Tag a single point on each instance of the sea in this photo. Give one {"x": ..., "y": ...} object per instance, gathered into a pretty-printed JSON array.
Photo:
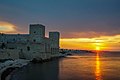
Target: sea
[{"x": 80, "y": 66}]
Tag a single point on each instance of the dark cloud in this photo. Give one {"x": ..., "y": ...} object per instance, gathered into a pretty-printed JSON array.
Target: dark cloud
[{"x": 90, "y": 17}]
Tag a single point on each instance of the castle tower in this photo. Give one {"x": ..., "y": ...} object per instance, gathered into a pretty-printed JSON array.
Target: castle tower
[
  {"x": 54, "y": 42},
  {"x": 37, "y": 32}
]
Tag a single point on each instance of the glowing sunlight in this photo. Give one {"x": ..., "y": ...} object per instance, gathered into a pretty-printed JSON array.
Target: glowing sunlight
[
  {"x": 97, "y": 48},
  {"x": 6, "y": 27},
  {"x": 110, "y": 43},
  {"x": 97, "y": 71}
]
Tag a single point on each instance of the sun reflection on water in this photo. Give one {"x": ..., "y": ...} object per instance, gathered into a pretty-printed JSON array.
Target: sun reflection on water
[{"x": 98, "y": 70}]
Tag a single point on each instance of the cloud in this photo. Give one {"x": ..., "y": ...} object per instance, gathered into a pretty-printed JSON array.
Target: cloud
[
  {"x": 87, "y": 34},
  {"x": 6, "y": 27}
]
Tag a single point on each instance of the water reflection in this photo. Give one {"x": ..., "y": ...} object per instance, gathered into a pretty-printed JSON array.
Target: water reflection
[
  {"x": 98, "y": 70},
  {"x": 46, "y": 71},
  {"x": 84, "y": 66}
]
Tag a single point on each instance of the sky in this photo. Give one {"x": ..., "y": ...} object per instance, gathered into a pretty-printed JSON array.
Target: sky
[{"x": 83, "y": 24}]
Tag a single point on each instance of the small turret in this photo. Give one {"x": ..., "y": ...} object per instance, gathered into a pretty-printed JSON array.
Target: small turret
[{"x": 54, "y": 42}]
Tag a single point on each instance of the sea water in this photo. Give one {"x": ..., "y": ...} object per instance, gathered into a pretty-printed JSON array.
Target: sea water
[{"x": 81, "y": 66}]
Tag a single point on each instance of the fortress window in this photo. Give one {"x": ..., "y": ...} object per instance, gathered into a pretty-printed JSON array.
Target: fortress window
[
  {"x": 2, "y": 46},
  {"x": 13, "y": 39},
  {"x": 34, "y": 31},
  {"x": 34, "y": 40},
  {"x": 28, "y": 48},
  {"x": 21, "y": 50}
]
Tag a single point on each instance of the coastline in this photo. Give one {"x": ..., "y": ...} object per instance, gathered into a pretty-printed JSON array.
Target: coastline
[
  {"x": 19, "y": 64},
  {"x": 9, "y": 66}
]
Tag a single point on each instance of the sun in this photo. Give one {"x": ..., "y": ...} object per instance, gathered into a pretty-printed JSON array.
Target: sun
[{"x": 97, "y": 48}]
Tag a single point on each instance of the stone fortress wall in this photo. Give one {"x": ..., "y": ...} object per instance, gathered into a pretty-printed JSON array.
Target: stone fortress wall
[{"x": 30, "y": 46}]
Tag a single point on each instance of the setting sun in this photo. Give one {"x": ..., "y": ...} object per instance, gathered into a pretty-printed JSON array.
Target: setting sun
[
  {"x": 110, "y": 43},
  {"x": 97, "y": 48}
]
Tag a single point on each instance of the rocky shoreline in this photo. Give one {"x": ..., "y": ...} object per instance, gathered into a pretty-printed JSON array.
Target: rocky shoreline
[{"x": 8, "y": 67}]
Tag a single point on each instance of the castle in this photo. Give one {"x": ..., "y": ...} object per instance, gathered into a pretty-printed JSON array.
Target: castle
[{"x": 30, "y": 46}]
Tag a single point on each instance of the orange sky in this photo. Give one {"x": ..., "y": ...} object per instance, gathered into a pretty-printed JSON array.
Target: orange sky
[
  {"x": 6, "y": 27},
  {"x": 111, "y": 43}
]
